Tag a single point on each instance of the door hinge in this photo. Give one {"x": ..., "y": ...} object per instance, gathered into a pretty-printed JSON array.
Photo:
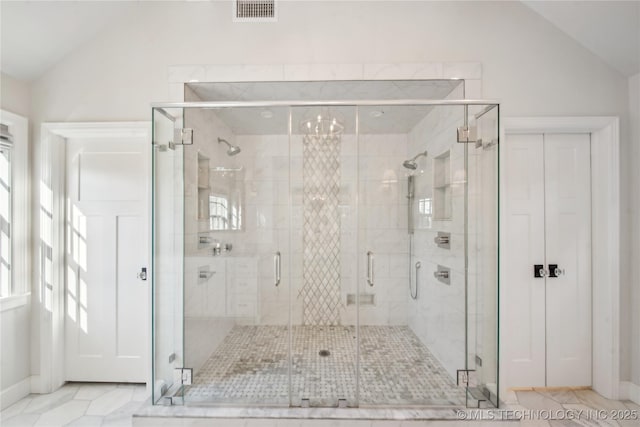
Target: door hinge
[
  {"x": 466, "y": 378},
  {"x": 183, "y": 376},
  {"x": 467, "y": 134},
  {"x": 183, "y": 136}
]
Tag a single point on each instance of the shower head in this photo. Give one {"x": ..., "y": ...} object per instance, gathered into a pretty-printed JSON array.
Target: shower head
[
  {"x": 233, "y": 149},
  {"x": 411, "y": 163}
]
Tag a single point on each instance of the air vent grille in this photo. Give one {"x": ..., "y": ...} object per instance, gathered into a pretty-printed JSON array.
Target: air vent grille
[{"x": 255, "y": 10}]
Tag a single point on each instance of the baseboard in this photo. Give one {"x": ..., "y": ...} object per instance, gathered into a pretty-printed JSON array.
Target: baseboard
[
  {"x": 630, "y": 391},
  {"x": 12, "y": 394}
]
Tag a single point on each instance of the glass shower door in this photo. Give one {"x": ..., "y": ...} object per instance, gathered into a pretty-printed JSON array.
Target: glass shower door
[
  {"x": 412, "y": 304},
  {"x": 482, "y": 297},
  {"x": 237, "y": 257},
  {"x": 324, "y": 312},
  {"x": 167, "y": 259}
]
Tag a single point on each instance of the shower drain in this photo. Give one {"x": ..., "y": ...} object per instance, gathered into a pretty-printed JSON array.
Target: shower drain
[{"x": 324, "y": 353}]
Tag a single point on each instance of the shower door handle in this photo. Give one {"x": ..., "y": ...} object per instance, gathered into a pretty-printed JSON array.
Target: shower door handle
[
  {"x": 370, "y": 268},
  {"x": 276, "y": 268}
]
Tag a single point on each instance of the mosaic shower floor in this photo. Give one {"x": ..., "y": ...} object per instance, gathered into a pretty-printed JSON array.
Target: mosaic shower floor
[{"x": 250, "y": 367}]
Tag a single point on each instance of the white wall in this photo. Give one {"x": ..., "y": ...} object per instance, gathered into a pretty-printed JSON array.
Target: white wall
[
  {"x": 15, "y": 95},
  {"x": 15, "y": 322},
  {"x": 528, "y": 64},
  {"x": 634, "y": 114}
]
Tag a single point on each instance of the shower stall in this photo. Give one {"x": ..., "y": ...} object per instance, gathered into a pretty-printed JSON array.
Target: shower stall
[{"x": 327, "y": 244}]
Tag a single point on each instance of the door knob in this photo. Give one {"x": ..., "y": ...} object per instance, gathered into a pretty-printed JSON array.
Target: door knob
[
  {"x": 539, "y": 271},
  {"x": 554, "y": 271},
  {"x": 143, "y": 274}
]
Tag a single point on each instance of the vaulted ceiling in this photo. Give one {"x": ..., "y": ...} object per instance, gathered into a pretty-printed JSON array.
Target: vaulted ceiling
[{"x": 37, "y": 35}]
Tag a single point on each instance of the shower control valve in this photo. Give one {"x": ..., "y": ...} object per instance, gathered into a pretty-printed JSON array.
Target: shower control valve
[{"x": 441, "y": 240}]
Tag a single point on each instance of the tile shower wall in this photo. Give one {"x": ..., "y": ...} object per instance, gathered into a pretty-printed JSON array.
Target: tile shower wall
[
  {"x": 321, "y": 231},
  {"x": 266, "y": 164},
  {"x": 383, "y": 227},
  {"x": 205, "y": 296},
  {"x": 437, "y": 316}
]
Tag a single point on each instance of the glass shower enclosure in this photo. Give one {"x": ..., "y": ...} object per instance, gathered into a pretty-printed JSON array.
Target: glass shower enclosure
[{"x": 327, "y": 244}]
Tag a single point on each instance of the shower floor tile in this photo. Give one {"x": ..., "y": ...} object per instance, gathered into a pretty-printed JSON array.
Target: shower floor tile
[{"x": 250, "y": 367}]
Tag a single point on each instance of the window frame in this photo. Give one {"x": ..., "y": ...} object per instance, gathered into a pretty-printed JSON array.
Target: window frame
[{"x": 20, "y": 291}]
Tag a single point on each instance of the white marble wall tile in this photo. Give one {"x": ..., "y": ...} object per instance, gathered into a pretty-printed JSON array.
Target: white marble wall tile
[
  {"x": 241, "y": 73},
  {"x": 303, "y": 72},
  {"x": 426, "y": 71}
]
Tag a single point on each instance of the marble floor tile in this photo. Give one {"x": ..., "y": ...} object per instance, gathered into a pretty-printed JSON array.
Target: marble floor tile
[
  {"x": 86, "y": 421},
  {"x": 535, "y": 400},
  {"x": 534, "y": 423},
  {"x": 122, "y": 416},
  {"x": 631, "y": 405},
  {"x": 93, "y": 391},
  {"x": 110, "y": 401},
  {"x": 44, "y": 402},
  {"x": 564, "y": 423},
  {"x": 585, "y": 419},
  {"x": 22, "y": 420},
  {"x": 15, "y": 409},
  {"x": 251, "y": 367},
  {"x": 560, "y": 396},
  {"x": 63, "y": 414},
  {"x": 594, "y": 400}
]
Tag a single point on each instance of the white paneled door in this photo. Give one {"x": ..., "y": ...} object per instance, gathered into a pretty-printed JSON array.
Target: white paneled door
[
  {"x": 106, "y": 234},
  {"x": 548, "y": 225}
]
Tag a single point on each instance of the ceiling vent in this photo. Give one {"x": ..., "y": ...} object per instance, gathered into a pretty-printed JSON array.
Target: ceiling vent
[{"x": 255, "y": 11}]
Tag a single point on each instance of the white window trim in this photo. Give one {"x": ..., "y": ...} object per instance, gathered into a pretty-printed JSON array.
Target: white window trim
[{"x": 21, "y": 280}]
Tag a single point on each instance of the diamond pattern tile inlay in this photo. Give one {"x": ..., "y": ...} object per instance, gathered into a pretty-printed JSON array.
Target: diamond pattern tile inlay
[{"x": 321, "y": 230}]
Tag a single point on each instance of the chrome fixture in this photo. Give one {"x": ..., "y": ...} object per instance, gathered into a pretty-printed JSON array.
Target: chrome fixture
[
  {"x": 443, "y": 240},
  {"x": 276, "y": 268},
  {"x": 233, "y": 149},
  {"x": 411, "y": 186},
  {"x": 411, "y": 163},
  {"x": 443, "y": 274},
  {"x": 220, "y": 248},
  {"x": 414, "y": 295},
  {"x": 370, "y": 268}
]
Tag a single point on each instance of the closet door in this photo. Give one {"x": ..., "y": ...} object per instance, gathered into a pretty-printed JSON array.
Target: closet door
[
  {"x": 524, "y": 295},
  {"x": 547, "y": 319},
  {"x": 568, "y": 245}
]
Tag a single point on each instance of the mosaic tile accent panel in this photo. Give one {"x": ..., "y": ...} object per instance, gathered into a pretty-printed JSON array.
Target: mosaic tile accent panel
[
  {"x": 321, "y": 230},
  {"x": 251, "y": 367}
]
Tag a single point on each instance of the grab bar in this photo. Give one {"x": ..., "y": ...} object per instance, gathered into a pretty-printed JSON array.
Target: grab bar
[
  {"x": 370, "y": 268},
  {"x": 276, "y": 268}
]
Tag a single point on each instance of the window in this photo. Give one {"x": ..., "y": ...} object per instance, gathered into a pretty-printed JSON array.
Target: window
[{"x": 6, "y": 143}]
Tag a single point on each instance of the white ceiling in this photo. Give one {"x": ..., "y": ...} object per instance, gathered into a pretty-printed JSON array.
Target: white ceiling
[
  {"x": 610, "y": 29},
  {"x": 35, "y": 34}
]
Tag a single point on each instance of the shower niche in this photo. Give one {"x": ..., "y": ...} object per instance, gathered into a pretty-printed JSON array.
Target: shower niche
[
  {"x": 307, "y": 182},
  {"x": 442, "y": 209}
]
